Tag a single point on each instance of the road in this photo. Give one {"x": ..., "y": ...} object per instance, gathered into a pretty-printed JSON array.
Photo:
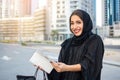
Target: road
[{"x": 14, "y": 59}]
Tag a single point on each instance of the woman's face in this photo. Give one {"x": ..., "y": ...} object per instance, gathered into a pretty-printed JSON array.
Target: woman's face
[{"x": 76, "y": 25}]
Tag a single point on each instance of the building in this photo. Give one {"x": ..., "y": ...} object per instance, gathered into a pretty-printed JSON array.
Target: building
[
  {"x": 26, "y": 28},
  {"x": 111, "y": 11},
  {"x": 116, "y": 30},
  {"x": 48, "y": 23},
  {"x": 25, "y": 7},
  {"x": 17, "y": 29},
  {"x": 39, "y": 24},
  {"x": 15, "y": 8},
  {"x": 15, "y": 21},
  {"x": 50, "y": 18},
  {"x": 58, "y": 17},
  {"x": 9, "y": 29},
  {"x": 0, "y": 9},
  {"x": 111, "y": 15}
]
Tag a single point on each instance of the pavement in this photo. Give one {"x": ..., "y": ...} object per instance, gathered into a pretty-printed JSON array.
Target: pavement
[
  {"x": 112, "y": 51},
  {"x": 112, "y": 57}
]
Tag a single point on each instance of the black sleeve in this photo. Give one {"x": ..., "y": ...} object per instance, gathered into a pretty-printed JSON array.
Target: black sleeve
[
  {"x": 54, "y": 75},
  {"x": 91, "y": 63},
  {"x": 64, "y": 48}
]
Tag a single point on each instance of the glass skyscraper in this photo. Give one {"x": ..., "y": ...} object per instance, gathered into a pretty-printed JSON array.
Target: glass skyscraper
[
  {"x": 112, "y": 12},
  {"x": 117, "y": 10}
]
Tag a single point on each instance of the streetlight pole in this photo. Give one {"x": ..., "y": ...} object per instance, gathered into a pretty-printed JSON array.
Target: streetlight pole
[{"x": 20, "y": 30}]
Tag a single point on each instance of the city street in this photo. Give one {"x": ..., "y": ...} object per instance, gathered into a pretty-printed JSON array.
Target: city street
[{"x": 14, "y": 60}]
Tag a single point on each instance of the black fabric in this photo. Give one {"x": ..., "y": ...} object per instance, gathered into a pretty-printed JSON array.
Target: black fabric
[
  {"x": 91, "y": 62},
  {"x": 23, "y": 77},
  {"x": 89, "y": 56},
  {"x": 54, "y": 75},
  {"x": 33, "y": 77}
]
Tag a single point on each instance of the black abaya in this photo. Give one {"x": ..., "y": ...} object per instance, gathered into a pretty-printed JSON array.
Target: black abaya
[{"x": 89, "y": 58}]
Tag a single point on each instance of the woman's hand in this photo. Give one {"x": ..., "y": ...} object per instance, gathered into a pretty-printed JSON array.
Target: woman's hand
[
  {"x": 59, "y": 66},
  {"x": 62, "y": 67}
]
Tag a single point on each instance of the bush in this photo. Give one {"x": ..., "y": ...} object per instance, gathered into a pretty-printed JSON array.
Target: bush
[{"x": 23, "y": 44}]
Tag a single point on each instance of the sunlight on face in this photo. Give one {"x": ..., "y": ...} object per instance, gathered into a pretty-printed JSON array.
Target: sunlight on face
[{"x": 76, "y": 25}]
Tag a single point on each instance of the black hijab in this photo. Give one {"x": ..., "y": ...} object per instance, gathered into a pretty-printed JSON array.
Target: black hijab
[{"x": 87, "y": 27}]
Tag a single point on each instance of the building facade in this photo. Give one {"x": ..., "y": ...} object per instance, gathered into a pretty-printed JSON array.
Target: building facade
[
  {"x": 15, "y": 8},
  {"x": 9, "y": 29},
  {"x": 47, "y": 23},
  {"x": 112, "y": 11},
  {"x": 17, "y": 29},
  {"x": 58, "y": 17},
  {"x": 111, "y": 16},
  {"x": 39, "y": 24}
]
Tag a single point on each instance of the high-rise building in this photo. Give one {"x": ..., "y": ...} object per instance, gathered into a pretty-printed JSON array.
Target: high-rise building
[
  {"x": 25, "y": 7},
  {"x": 117, "y": 11},
  {"x": 111, "y": 17},
  {"x": 58, "y": 17},
  {"x": 0, "y": 9},
  {"x": 15, "y": 8},
  {"x": 15, "y": 21},
  {"x": 111, "y": 12},
  {"x": 39, "y": 24}
]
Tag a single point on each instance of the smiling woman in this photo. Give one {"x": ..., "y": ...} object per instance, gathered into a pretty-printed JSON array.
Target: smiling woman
[
  {"x": 81, "y": 56},
  {"x": 76, "y": 25}
]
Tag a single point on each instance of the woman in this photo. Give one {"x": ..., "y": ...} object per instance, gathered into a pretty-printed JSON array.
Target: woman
[{"x": 80, "y": 56}]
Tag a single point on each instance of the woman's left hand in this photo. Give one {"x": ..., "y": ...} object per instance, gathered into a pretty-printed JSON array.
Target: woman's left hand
[{"x": 59, "y": 66}]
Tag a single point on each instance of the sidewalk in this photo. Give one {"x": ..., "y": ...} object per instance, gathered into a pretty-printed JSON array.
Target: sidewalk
[
  {"x": 112, "y": 57},
  {"x": 112, "y": 41}
]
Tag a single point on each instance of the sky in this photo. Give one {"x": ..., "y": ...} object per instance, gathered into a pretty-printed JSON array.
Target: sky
[
  {"x": 98, "y": 11},
  {"x": 42, "y": 3}
]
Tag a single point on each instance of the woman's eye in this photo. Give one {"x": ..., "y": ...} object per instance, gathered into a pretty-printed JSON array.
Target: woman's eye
[{"x": 78, "y": 22}]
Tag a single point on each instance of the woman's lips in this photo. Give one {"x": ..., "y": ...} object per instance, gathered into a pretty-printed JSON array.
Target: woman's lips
[{"x": 76, "y": 31}]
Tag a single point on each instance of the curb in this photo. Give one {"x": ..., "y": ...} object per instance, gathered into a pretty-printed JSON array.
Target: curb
[{"x": 113, "y": 63}]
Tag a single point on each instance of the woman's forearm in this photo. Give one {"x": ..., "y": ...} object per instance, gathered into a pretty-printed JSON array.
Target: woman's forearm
[
  {"x": 75, "y": 67},
  {"x": 62, "y": 67}
]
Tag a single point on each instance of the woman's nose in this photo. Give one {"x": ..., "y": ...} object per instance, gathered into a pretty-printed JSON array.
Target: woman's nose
[{"x": 75, "y": 25}]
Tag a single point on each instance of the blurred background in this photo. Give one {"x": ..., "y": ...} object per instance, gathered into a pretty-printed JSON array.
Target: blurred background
[
  {"x": 48, "y": 20},
  {"x": 28, "y": 25}
]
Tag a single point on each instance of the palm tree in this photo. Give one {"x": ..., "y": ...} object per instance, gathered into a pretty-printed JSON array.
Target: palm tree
[{"x": 54, "y": 34}]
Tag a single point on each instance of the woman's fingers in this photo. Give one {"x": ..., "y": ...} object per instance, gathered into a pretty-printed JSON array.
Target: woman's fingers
[
  {"x": 54, "y": 64},
  {"x": 59, "y": 67}
]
